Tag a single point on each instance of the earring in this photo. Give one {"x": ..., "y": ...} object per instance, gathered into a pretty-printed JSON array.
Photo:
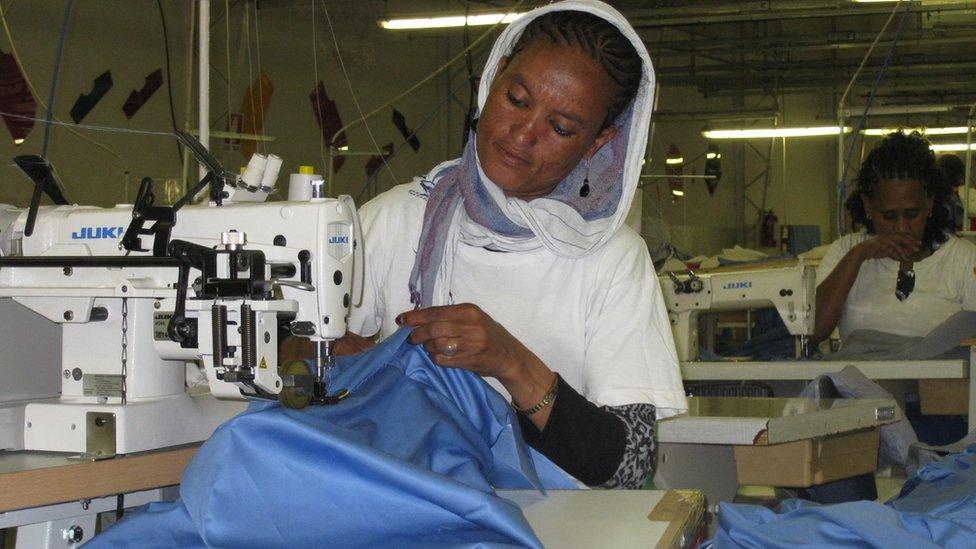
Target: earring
[{"x": 585, "y": 189}]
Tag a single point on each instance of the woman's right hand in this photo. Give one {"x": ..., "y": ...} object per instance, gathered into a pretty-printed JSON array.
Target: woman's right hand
[
  {"x": 897, "y": 246},
  {"x": 301, "y": 348},
  {"x": 352, "y": 343}
]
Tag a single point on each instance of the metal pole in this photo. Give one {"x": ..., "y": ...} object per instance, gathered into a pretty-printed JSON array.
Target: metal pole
[
  {"x": 203, "y": 115},
  {"x": 968, "y": 169},
  {"x": 189, "y": 93},
  {"x": 329, "y": 163},
  {"x": 838, "y": 227}
]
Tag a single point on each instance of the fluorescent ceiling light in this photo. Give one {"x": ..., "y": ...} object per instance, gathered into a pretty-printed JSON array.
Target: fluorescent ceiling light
[
  {"x": 948, "y": 147},
  {"x": 448, "y": 21},
  {"x": 951, "y": 130},
  {"x": 760, "y": 133},
  {"x": 673, "y": 161}
]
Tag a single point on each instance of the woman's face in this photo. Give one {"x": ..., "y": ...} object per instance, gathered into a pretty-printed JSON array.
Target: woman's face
[
  {"x": 899, "y": 206},
  {"x": 543, "y": 114}
]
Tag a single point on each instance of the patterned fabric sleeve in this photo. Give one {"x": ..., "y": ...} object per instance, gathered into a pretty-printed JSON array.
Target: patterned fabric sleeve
[{"x": 637, "y": 462}]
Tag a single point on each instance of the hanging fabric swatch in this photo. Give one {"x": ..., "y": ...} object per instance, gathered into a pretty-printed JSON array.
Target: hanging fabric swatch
[
  {"x": 327, "y": 116},
  {"x": 376, "y": 161},
  {"x": 86, "y": 102},
  {"x": 138, "y": 98},
  {"x": 16, "y": 100},
  {"x": 401, "y": 124},
  {"x": 254, "y": 107}
]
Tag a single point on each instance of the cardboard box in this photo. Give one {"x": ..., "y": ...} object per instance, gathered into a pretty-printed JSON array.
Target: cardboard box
[
  {"x": 684, "y": 511},
  {"x": 804, "y": 463},
  {"x": 944, "y": 397}
]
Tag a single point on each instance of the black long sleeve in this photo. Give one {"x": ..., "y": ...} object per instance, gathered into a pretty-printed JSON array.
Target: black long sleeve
[{"x": 588, "y": 442}]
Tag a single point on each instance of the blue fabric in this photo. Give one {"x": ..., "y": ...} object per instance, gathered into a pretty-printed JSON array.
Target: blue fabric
[
  {"x": 945, "y": 490},
  {"x": 936, "y": 508},
  {"x": 772, "y": 341},
  {"x": 411, "y": 458}
]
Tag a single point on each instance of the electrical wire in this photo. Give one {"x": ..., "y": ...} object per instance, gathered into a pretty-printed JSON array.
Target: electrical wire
[
  {"x": 250, "y": 71},
  {"x": 842, "y": 184},
  {"x": 30, "y": 86},
  {"x": 229, "y": 78},
  {"x": 318, "y": 99},
  {"x": 363, "y": 117},
  {"x": 867, "y": 54},
  {"x": 473, "y": 91},
  {"x": 260, "y": 145},
  {"x": 372, "y": 178},
  {"x": 430, "y": 76},
  {"x": 70, "y": 125},
  {"x": 54, "y": 79},
  {"x": 452, "y": 95},
  {"x": 169, "y": 79},
  {"x": 257, "y": 46},
  {"x": 352, "y": 93}
]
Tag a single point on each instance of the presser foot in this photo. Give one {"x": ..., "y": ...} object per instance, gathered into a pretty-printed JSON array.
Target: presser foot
[
  {"x": 334, "y": 398},
  {"x": 301, "y": 387}
]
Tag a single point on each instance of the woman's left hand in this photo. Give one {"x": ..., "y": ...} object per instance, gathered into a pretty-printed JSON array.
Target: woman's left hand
[{"x": 464, "y": 336}]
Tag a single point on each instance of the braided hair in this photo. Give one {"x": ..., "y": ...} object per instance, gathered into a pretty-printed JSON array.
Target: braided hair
[
  {"x": 901, "y": 156},
  {"x": 601, "y": 41}
]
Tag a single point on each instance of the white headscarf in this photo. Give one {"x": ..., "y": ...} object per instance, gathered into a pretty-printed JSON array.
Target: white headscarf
[{"x": 465, "y": 206}]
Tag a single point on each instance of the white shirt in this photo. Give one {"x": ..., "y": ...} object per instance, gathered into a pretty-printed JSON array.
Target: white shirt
[
  {"x": 945, "y": 283},
  {"x": 599, "y": 321}
]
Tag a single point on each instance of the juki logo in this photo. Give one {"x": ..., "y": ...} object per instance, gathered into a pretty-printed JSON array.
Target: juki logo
[
  {"x": 736, "y": 285},
  {"x": 88, "y": 233},
  {"x": 339, "y": 239}
]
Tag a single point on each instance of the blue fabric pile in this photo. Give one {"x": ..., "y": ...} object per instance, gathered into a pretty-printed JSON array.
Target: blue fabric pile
[
  {"x": 411, "y": 458},
  {"x": 935, "y": 508}
]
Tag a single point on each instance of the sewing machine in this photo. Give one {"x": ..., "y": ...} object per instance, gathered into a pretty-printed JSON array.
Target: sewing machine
[
  {"x": 791, "y": 290},
  {"x": 146, "y": 294}
]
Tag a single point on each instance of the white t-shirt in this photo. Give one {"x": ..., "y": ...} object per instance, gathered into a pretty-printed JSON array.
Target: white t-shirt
[
  {"x": 945, "y": 283},
  {"x": 599, "y": 321}
]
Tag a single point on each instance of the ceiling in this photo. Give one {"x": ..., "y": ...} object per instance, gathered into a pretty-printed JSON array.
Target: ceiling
[{"x": 743, "y": 48}]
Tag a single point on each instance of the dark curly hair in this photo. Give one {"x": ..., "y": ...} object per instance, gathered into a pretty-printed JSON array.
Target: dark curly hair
[
  {"x": 601, "y": 41},
  {"x": 953, "y": 169},
  {"x": 901, "y": 156}
]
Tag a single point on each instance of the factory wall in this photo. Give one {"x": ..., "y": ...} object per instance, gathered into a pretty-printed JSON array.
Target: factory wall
[
  {"x": 801, "y": 178},
  {"x": 127, "y": 39},
  {"x": 698, "y": 222}
]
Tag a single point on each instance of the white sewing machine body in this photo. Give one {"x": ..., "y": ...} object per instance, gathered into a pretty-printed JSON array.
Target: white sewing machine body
[
  {"x": 791, "y": 290},
  {"x": 120, "y": 365}
]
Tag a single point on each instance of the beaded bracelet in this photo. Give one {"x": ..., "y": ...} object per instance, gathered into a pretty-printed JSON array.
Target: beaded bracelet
[{"x": 546, "y": 400}]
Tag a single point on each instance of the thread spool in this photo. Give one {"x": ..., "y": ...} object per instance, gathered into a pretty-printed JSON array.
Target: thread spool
[
  {"x": 271, "y": 169},
  {"x": 254, "y": 171},
  {"x": 300, "y": 184}
]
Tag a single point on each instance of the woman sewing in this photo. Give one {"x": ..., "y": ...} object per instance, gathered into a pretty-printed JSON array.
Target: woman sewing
[
  {"x": 905, "y": 272},
  {"x": 514, "y": 262}
]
